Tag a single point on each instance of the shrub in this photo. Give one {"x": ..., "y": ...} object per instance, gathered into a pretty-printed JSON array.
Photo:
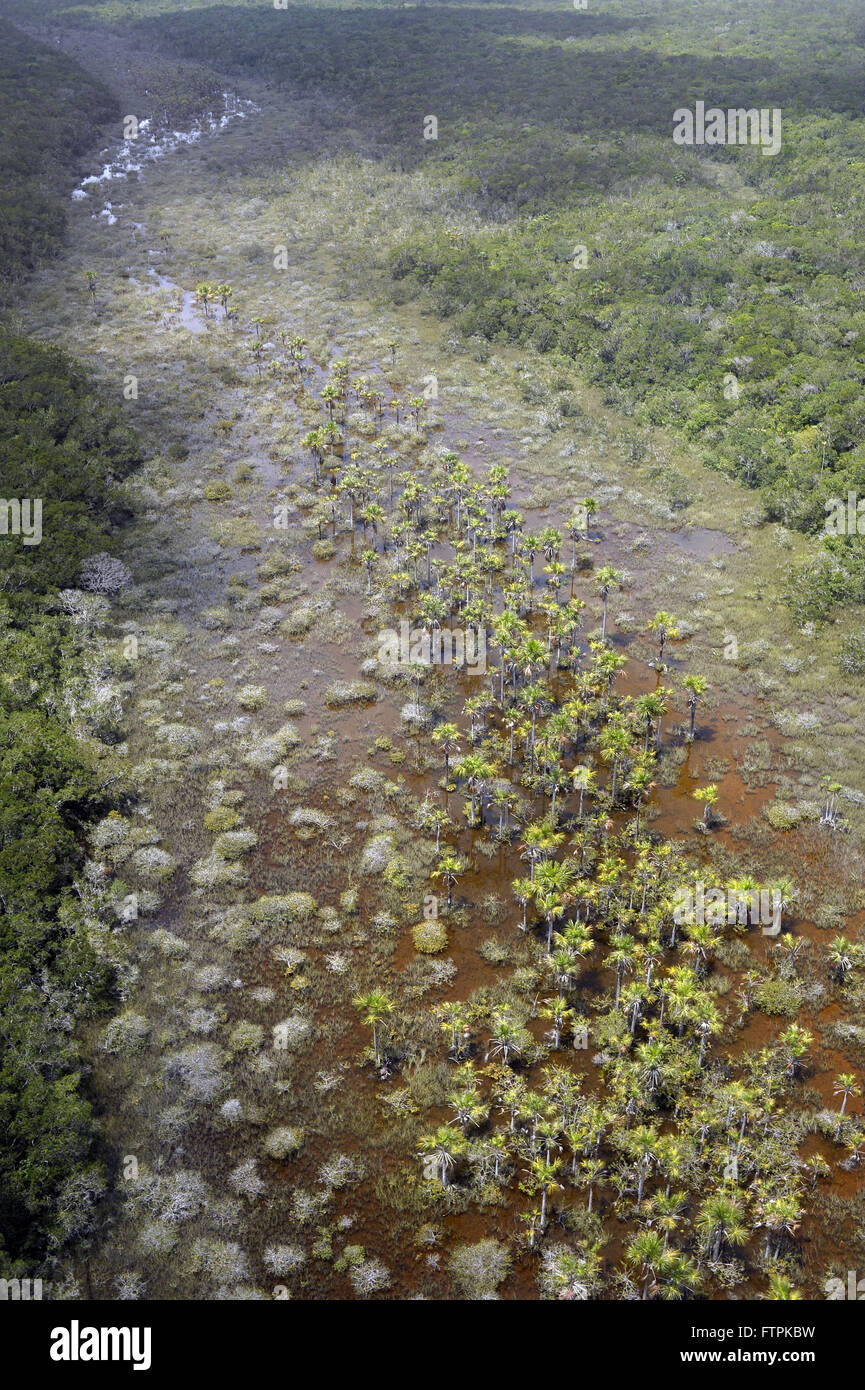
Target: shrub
[
  {"x": 221, "y": 818},
  {"x": 180, "y": 738},
  {"x": 349, "y": 693},
  {"x": 246, "y": 1036},
  {"x": 245, "y": 1181},
  {"x": 298, "y": 622},
  {"x": 252, "y": 697},
  {"x": 479, "y": 1269},
  {"x": 218, "y": 492},
  {"x": 231, "y": 844},
  {"x": 777, "y": 996},
  {"x": 852, "y": 657},
  {"x": 214, "y": 872},
  {"x": 377, "y": 853},
  {"x": 782, "y": 816},
  {"x": 275, "y": 910},
  {"x": 283, "y": 1259},
  {"x": 282, "y": 1142},
  {"x": 271, "y": 748},
  {"x": 199, "y": 1068},
  {"x": 104, "y": 574},
  {"x": 429, "y": 937},
  {"x": 126, "y": 1035},
  {"x": 153, "y": 863},
  {"x": 369, "y": 1276}
]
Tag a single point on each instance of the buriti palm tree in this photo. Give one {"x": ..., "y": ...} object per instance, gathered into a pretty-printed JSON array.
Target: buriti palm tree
[
  {"x": 635, "y": 998},
  {"x": 682, "y": 991},
  {"x": 446, "y": 736},
  {"x": 641, "y": 1144},
  {"x": 606, "y": 579},
  {"x": 708, "y": 1022},
  {"x": 523, "y": 890},
  {"x": 700, "y": 945},
  {"x": 331, "y": 394},
  {"x": 842, "y": 956},
  {"x": 544, "y": 1177},
  {"x": 540, "y": 841},
  {"x": 845, "y": 1085},
  {"x": 583, "y": 779},
  {"x": 622, "y": 957},
  {"x": 665, "y": 626},
  {"x": 373, "y": 515},
  {"x": 204, "y": 293},
  {"x": 478, "y": 774},
  {"x": 615, "y": 746},
  {"x": 695, "y": 685},
  {"x": 781, "y": 1215},
  {"x": 648, "y": 1253},
  {"x": 431, "y": 817},
  {"x": 375, "y": 1007},
  {"x": 666, "y": 1210},
  {"x": 556, "y": 780},
  {"x": 591, "y": 1171},
  {"x": 708, "y": 796},
  {"x": 721, "y": 1222},
  {"x": 369, "y": 559},
  {"x": 651, "y": 1058},
  {"x": 454, "y": 1018},
  {"x": 506, "y": 1042},
  {"x": 829, "y": 814},
  {"x": 560, "y": 1014},
  {"x": 784, "y": 893},
  {"x": 795, "y": 1041},
  {"x": 792, "y": 947},
  {"x": 553, "y": 881},
  {"x": 578, "y": 527},
  {"x": 469, "y": 1111},
  {"x": 316, "y": 444},
  {"x": 650, "y": 710},
  {"x": 448, "y": 869},
  {"x": 446, "y": 1146}
]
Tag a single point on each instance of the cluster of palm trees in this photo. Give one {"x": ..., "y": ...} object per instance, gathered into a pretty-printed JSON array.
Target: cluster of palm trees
[
  {"x": 208, "y": 293},
  {"x": 558, "y": 764}
]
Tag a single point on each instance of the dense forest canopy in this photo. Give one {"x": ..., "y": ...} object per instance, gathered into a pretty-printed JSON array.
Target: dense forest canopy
[
  {"x": 51, "y": 111},
  {"x": 65, "y": 449}
]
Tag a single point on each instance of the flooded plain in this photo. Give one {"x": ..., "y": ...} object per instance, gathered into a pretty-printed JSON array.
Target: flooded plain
[{"x": 252, "y": 610}]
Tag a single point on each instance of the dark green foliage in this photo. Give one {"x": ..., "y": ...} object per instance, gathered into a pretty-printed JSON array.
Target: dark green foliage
[
  {"x": 835, "y": 575},
  {"x": 50, "y": 975},
  {"x": 50, "y": 113},
  {"x": 59, "y": 443}
]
